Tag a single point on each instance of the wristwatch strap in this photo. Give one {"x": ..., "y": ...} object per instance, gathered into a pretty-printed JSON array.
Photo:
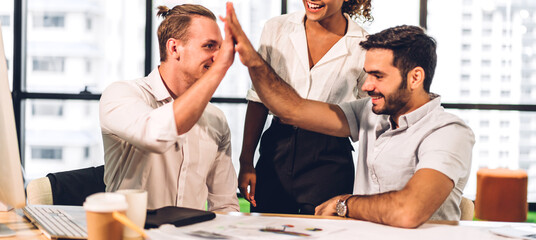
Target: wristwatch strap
[{"x": 343, "y": 200}]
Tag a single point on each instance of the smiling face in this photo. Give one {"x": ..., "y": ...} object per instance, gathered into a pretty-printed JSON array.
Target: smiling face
[
  {"x": 196, "y": 55},
  {"x": 319, "y": 10},
  {"x": 386, "y": 87}
]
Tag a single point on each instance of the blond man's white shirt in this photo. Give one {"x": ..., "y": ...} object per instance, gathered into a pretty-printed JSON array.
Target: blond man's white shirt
[{"x": 143, "y": 150}]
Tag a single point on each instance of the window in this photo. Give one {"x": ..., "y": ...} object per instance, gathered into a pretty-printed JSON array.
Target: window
[
  {"x": 86, "y": 152},
  {"x": 49, "y": 20},
  {"x": 506, "y": 62},
  {"x": 5, "y": 20},
  {"x": 506, "y": 78},
  {"x": 71, "y": 45},
  {"x": 88, "y": 65},
  {"x": 47, "y": 153},
  {"x": 467, "y": 17},
  {"x": 488, "y": 17},
  {"x": 48, "y": 64},
  {"x": 504, "y": 46},
  {"x": 47, "y": 108},
  {"x": 504, "y": 124},
  {"x": 71, "y": 125},
  {"x": 484, "y": 123},
  {"x": 467, "y": 2},
  {"x": 89, "y": 23},
  {"x": 66, "y": 55}
]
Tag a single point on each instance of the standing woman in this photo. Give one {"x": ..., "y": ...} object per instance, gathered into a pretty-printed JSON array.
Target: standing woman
[{"x": 318, "y": 54}]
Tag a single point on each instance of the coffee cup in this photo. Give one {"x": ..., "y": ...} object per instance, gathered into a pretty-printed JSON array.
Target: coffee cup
[
  {"x": 137, "y": 210},
  {"x": 101, "y": 224}
]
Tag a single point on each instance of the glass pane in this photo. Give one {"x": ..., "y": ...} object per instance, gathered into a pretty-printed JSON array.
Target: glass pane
[
  {"x": 87, "y": 43},
  {"x": 252, "y": 16},
  {"x": 6, "y": 24},
  {"x": 235, "y": 114},
  {"x": 486, "y": 49},
  {"x": 504, "y": 139},
  {"x": 386, "y": 13},
  {"x": 61, "y": 135}
]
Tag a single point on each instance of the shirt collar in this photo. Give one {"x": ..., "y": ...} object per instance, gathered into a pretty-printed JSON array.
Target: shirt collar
[
  {"x": 156, "y": 86},
  {"x": 407, "y": 120},
  {"x": 354, "y": 30}
]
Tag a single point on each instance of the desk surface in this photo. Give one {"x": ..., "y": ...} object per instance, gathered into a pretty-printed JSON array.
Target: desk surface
[
  {"x": 21, "y": 226},
  {"x": 339, "y": 227},
  {"x": 254, "y": 226}
]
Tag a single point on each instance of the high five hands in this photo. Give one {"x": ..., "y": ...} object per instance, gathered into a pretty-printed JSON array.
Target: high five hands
[
  {"x": 248, "y": 55},
  {"x": 251, "y": 59}
]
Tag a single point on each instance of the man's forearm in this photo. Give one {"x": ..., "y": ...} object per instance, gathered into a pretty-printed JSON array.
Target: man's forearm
[
  {"x": 276, "y": 94},
  {"x": 189, "y": 106},
  {"x": 410, "y": 207},
  {"x": 386, "y": 209}
]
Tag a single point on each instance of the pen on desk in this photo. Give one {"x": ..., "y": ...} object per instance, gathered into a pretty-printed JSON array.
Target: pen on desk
[
  {"x": 284, "y": 232},
  {"x": 125, "y": 221}
]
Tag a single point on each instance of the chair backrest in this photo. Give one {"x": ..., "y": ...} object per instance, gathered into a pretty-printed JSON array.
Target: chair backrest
[
  {"x": 39, "y": 192},
  {"x": 468, "y": 209},
  {"x": 66, "y": 188}
]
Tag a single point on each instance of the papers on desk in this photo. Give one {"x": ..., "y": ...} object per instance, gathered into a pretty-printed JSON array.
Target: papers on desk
[
  {"x": 240, "y": 227},
  {"x": 521, "y": 232},
  {"x": 250, "y": 227}
]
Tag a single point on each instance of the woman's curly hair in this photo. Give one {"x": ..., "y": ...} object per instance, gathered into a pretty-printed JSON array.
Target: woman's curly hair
[{"x": 358, "y": 9}]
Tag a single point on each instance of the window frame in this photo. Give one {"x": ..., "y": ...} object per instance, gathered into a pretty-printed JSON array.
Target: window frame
[{"x": 20, "y": 95}]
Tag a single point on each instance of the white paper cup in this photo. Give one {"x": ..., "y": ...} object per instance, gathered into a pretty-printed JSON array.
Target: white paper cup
[
  {"x": 137, "y": 209},
  {"x": 101, "y": 225}
]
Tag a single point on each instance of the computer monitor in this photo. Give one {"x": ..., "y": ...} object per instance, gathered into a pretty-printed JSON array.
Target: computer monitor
[{"x": 11, "y": 183}]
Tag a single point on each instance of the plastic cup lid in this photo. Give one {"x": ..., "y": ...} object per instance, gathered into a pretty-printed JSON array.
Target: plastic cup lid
[{"x": 105, "y": 202}]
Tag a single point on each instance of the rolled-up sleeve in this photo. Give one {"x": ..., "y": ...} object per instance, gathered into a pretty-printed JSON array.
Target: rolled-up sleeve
[{"x": 124, "y": 113}]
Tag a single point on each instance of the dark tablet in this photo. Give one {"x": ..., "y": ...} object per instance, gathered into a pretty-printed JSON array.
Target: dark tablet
[{"x": 178, "y": 216}]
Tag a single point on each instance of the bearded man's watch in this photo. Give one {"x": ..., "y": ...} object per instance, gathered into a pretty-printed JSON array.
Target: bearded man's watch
[{"x": 341, "y": 207}]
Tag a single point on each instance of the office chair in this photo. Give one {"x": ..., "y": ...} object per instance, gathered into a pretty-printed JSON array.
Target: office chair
[
  {"x": 66, "y": 188},
  {"x": 468, "y": 209}
]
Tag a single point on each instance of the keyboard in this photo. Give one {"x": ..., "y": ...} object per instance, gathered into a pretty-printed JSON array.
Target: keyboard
[{"x": 55, "y": 222}]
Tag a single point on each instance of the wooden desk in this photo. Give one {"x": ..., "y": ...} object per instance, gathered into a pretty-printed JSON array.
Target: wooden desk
[{"x": 19, "y": 224}]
